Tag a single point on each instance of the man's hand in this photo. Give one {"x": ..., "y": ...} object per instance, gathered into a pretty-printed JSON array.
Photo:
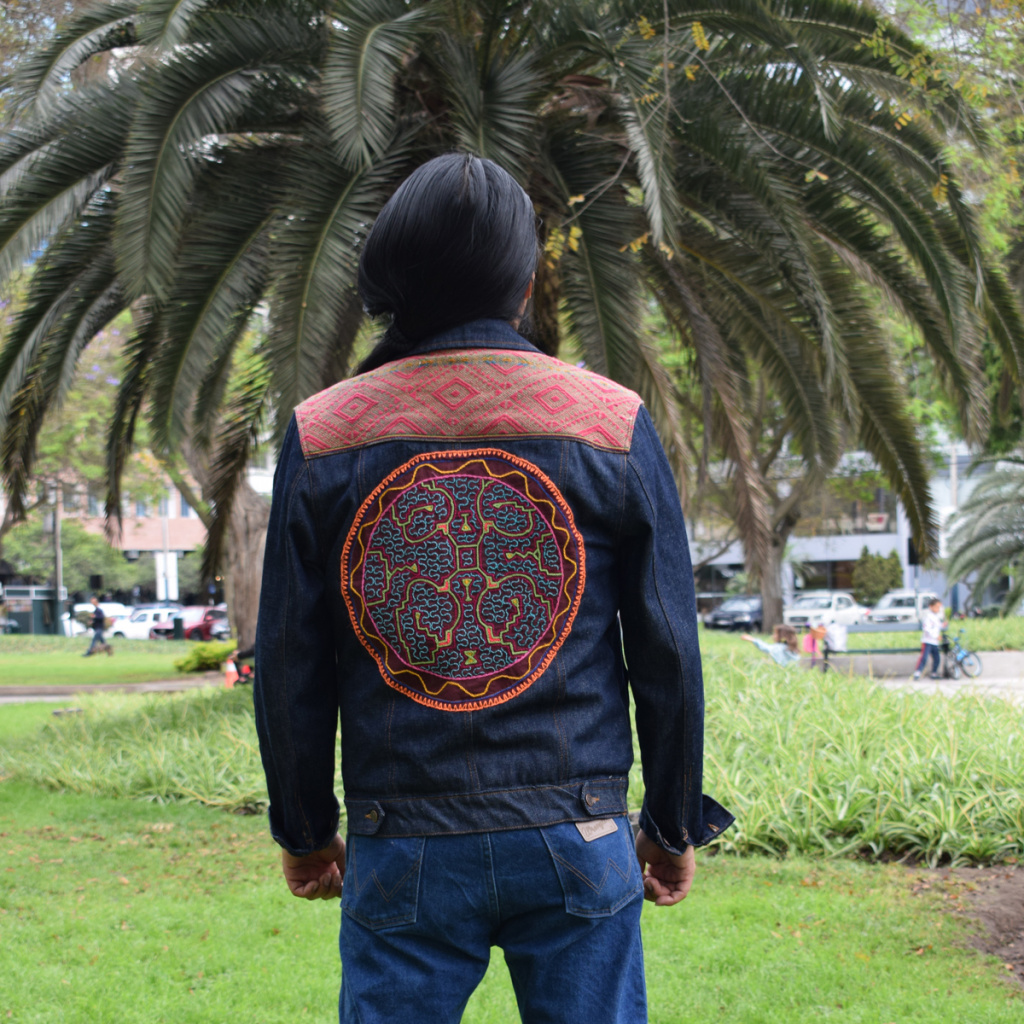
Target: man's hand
[
  {"x": 318, "y": 875},
  {"x": 667, "y": 876}
]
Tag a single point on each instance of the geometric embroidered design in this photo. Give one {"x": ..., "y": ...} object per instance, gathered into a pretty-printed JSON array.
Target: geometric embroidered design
[
  {"x": 462, "y": 573},
  {"x": 469, "y": 394}
]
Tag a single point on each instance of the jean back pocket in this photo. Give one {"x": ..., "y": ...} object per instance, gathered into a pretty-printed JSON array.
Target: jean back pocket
[
  {"x": 382, "y": 880},
  {"x": 598, "y": 877}
]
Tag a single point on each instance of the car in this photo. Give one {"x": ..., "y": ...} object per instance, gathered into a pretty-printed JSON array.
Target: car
[
  {"x": 199, "y": 623},
  {"x": 142, "y": 620},
  {"x": 8, "y": 625},
  {"x": 111, "y": 610},
  {"x": 824, "y": 607},
  {"x": 70, "y": 626},
  {"x": 740, "y": 612},
  {"x": 900, "y": 606}
]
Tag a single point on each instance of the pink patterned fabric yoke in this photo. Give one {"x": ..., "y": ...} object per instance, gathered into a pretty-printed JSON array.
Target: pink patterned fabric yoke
[{"x": 471, "y": 393}]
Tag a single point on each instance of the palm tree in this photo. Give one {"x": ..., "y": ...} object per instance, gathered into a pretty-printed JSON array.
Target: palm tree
[
  {"x": 754, "y": 168},
  {"x": 987, "y": 533}
]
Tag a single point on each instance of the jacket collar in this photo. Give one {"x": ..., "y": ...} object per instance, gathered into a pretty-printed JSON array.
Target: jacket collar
[{"x": 476, "y": 334}]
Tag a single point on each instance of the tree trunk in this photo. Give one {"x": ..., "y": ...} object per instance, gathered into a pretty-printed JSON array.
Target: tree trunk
[
  {"x": 543, "y": 320},
  {"x": 242, "y": 565},
  {"x": 771, "y": 583}
]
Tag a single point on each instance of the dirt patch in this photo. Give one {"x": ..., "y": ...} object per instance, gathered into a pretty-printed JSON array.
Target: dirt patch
[{"x": 994, "y": 898}]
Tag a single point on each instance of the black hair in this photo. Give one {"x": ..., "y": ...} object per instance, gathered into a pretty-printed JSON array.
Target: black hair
[{"x": 456, "y": 242}]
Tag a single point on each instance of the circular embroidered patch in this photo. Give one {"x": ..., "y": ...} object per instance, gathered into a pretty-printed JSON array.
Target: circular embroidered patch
[{"x": 462, "y": 574}]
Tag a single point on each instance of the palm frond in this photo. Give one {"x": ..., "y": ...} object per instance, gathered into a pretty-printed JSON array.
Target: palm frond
[
  {"x": 194, "y": 95},
  {"x": 244, "y": 416},
  {"x": 56, "y": 282},
  {"x": 492, "y": 104},
  {"x": 314, "y": 256},
  {"x": 365, "y": 52},
  {"x": 89, "y": 306},
  {"x": 131, "y": 394},
  {"x": 217, "y": 285},
  {"x": 39, "y": 79},
  {"x": 166, "y": 23}
]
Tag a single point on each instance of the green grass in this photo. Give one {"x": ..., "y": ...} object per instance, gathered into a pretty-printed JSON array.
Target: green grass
[
  {"x": 197, "y": 747},
  {"x": 18, "y": 719},
  {"x": 58, "y": 661},
  {"x": 831, "y": 764},
  {"x": 127, "y": 912}
]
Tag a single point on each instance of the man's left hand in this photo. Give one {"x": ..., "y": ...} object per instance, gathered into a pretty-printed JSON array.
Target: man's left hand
[{"x": 318, "y": 875}]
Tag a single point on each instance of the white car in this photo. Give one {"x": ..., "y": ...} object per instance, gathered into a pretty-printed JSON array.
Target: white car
[
  {"x": 900, "y": 606},
  {"x": 141, "y": 621},
  {"x": 824, "y": 607},
  {"x": 111, "y": 610},
  {"x": 70, "y": 626}
]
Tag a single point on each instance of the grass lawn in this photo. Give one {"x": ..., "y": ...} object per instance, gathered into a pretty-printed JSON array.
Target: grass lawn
[
  {"x": 125, "y": 911},
  {"x": 58, "y": 661},
  {"x": 16, "y": 720},
  {"x": 162, "y": 909}
]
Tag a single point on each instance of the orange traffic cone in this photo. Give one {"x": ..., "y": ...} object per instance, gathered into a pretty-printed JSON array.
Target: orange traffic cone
[{"x": 230, "y": 674}]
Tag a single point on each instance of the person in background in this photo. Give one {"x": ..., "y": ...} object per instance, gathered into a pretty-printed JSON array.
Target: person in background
[
  {"x": 932, "y": 625},
  {"x": 783, "y": 650},
  {"x": 812, "y": 642},
  {"x": 97, "y": 625}
]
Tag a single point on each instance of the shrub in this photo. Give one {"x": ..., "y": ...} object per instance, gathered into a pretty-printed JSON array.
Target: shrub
[
  {"x": 204, "y": 657},
  {"x": 875, "y": 575}
]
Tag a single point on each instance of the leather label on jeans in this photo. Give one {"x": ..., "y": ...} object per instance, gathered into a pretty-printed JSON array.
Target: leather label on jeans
[{"x": 591, "y": 830}]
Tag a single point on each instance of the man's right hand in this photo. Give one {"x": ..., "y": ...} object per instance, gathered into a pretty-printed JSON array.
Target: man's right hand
[
  {"x": 318, "y": 875},
  {"x": 667, "y": 876}
]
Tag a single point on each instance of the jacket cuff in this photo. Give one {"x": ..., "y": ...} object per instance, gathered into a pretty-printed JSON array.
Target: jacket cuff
[
  {"x": 714, "y": 820},
  {"x": 312, "y": 841}
]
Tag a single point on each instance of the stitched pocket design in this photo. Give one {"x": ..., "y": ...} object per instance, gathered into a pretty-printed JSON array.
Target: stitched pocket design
[
  {"x": 382, "y": 878},
  {"x": 600, "y": 877}
]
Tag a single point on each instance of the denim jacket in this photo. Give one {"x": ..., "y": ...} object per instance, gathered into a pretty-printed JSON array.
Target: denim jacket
[{"x": 467, "y": 548}]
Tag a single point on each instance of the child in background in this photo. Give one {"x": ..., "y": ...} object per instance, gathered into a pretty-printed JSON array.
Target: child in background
[
  {"x": 932, "y": 626},
  {"x": 812, "y": 642},
  {"x": 783, "y": 649}
]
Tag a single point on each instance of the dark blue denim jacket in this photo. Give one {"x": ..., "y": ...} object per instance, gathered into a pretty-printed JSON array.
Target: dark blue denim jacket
[{"x": 466, "y": 549}]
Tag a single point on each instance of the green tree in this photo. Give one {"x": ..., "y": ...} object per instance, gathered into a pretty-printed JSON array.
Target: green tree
[
  {"x": 986, "y": 538},
  {"x": 875, "y": 575},
  {"x": 29, "y": 549},
  {"x": 757, "y": 171}
]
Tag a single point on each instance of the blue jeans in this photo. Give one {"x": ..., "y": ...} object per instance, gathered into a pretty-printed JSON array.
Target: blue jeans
[
  {"x": 97, "y": 641},
  {"x": 421, "y": 914},
  {"x": 928, "y": 649}
]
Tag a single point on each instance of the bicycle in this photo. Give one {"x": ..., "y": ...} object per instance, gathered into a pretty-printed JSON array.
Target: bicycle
[{"x": 959, "y": 659}]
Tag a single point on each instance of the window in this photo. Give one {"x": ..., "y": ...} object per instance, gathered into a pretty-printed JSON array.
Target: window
[
  {"x": 140, "y": 509},
  {"x": 186, "y": 508},
  {"x": 94, "y": 505}
]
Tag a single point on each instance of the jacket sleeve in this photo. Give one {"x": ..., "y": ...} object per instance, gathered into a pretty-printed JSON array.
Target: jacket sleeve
[
  {"x": 658, "y": 613},
  {"x": 295, "y": 692}
]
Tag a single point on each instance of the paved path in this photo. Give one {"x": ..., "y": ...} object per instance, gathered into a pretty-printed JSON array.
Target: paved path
[
  {"x": 24, "y": 694},
  {"x": 1002, "y": 673}
]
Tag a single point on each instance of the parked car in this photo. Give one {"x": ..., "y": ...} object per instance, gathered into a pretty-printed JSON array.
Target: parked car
[
  {"x": 111, "y": 610},
  {"x": 900, "y": 606},
  {"x": 71, "y": 626},
  {"x": 822, "y": 608},
  {"x": 142, "y": 620},
  {"x": 740, "y": 612},
  {"x": 199, "y": 622},
  {"x": 8, "y": 625}
]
